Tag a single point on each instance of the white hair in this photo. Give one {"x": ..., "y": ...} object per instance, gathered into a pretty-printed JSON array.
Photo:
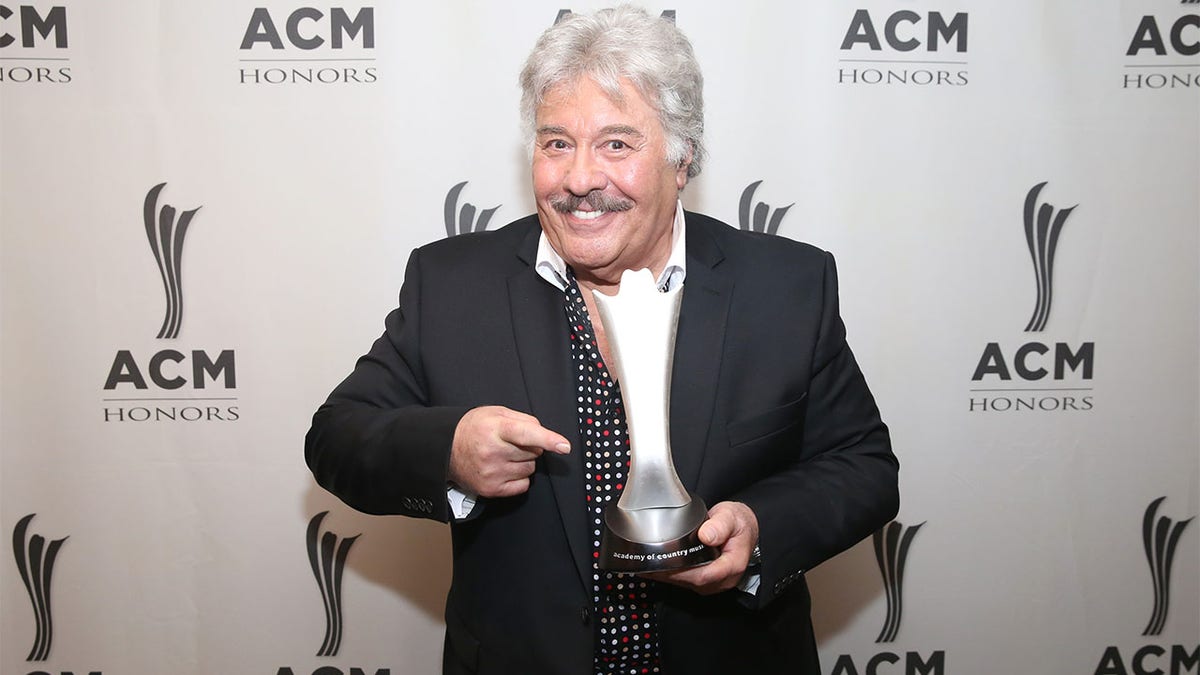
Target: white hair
[{"x": 623, "y": 43}]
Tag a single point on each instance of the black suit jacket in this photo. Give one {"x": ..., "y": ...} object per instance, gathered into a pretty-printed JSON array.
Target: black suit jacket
[{"x": 768, "y": 407}]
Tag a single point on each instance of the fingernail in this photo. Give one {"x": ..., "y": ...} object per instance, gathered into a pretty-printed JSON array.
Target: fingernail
[{"x": 563, "y": 448}]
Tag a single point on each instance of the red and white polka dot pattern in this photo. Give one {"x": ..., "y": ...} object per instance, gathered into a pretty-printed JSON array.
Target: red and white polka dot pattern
[{"x": 627, "y": 630}]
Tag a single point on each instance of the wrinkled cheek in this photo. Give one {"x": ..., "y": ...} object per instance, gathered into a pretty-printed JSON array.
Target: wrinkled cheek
[{"x": 547, "y": 177}]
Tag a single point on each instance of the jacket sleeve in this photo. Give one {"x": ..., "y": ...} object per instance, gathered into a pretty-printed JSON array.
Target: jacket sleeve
[
  {"x": 376, "y": 442},
  {"x": 842, "y": 484}
]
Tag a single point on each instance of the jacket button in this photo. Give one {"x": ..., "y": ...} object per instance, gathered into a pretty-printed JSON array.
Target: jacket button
[{"x": 585, "y": 615}]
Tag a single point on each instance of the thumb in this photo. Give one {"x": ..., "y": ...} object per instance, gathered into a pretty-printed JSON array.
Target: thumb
[{"x": 716, "y": 530}]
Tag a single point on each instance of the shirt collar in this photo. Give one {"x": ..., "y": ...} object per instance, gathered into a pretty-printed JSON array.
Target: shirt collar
[{"x": 551, "y": 267}]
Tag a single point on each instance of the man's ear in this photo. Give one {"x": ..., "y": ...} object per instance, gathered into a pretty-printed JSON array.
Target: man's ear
[{"x": 681, "y": 171}]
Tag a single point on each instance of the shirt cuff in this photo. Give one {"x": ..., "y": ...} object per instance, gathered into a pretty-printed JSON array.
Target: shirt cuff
[
  {"x": 749, "y": 583},
  {"x": 461, "y": 503}
]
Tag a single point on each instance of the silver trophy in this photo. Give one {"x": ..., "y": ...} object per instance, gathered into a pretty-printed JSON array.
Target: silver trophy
[{"x": 654, "y": 525}]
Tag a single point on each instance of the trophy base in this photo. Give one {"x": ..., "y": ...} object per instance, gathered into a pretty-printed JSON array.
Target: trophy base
[{"x": 650, "y": 540}]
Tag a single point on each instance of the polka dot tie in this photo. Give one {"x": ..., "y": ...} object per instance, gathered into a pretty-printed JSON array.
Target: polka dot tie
[{"x": 627, "y": 630}]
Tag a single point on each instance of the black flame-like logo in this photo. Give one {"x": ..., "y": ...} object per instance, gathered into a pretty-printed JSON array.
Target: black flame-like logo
[
  {"x": 328, "y": 559},
  {"x": 166, "y": 234},
  {"x": 892, "y": 543},
  {"x": 1160, "y": 535},
  {"x": 762, "y": 219},
  {"x": 1043, "y": 225},
  {"x": 35, "y": 562},
  {"x": 464, "y": 220}
]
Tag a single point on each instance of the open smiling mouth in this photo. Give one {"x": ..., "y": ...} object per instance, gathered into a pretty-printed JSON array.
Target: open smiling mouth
[{"x": 587, "y": 215}]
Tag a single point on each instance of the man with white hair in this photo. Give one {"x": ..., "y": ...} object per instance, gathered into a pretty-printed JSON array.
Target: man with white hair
[{"x": 488, "y": 403}]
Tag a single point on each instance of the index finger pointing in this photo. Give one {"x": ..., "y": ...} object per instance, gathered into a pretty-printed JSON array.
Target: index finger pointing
[{"x": 527, "y": 433}]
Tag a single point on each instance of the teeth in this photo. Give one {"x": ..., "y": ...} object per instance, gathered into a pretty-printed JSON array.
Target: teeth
[{"x": 587, "y": 215}]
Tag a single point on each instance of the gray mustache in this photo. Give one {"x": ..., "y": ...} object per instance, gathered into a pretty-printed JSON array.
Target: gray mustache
[{"x": 596, "y": 199}]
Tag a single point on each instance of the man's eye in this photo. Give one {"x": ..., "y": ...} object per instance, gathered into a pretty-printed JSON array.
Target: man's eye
[
  {"x": 557, "y": 144},
  {"x": 617, "y": 145}
]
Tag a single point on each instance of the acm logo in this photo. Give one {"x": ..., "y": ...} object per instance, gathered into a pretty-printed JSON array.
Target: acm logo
[
  {"x": 890, "y": 43},
  {"x": 167, "y": 370},
  {"x": 36, "y": 558},
  {"x": 760, "y": 218},
  {"x": 893, "y": 544},
  {"x": 35, "y": 561},
  {"x": 327, "y": 555},
  {"x": 901, "y": 31},
  {"x": 1032, "y": 362},
  {"x": 311, "y": 35},
  {"x": 303, "y": 28},
  {"x": 1160, "y": 539},
  {"x": 37, "y": 41},
  {"x": 1157, "y": 55},
  {"x": 466, "y": 219},
  {"x": 33, "y": 24},
  {"x": 1183, "y": 33}
]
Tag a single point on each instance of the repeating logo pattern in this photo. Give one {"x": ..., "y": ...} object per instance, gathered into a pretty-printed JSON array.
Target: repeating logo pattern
[
  {"x": 328, "y": 559},
  {"x": 892, "y": 543},
  {"x": 1043, "y": 225},
  {"x": 35, "y": 562},
  {"x": 166, "y": 235},
  {"x": 762, "y": 219},
  {"x": 464, "y": 220},
  {"x": 1160, "y": 535}
]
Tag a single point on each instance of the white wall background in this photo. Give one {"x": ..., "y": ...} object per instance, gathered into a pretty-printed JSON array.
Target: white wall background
[{"x": 186, "y": 548}]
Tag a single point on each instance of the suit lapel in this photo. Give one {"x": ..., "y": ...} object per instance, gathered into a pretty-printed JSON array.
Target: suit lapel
[
  {"x": 699, "y": 344},
  {"x": 540, "y": 329}
]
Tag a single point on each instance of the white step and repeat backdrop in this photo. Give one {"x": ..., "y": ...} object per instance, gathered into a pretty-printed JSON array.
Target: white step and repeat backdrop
[{"x": 205, "y": 209}]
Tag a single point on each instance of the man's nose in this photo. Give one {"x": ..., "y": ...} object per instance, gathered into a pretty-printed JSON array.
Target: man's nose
[{"x": 584, "y": 174}]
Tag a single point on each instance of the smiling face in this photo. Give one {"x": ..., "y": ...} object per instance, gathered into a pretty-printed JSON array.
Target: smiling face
[{"x": 605, "y": 192}]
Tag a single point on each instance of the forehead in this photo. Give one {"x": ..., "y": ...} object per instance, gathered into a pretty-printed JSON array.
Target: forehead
[{"x": 584, "y": 101}]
